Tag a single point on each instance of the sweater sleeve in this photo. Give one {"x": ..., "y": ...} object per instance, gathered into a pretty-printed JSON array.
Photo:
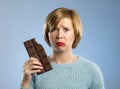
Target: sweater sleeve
[
  {"x": 32, "y": 83},
  {"x": 98, "y": 81}
]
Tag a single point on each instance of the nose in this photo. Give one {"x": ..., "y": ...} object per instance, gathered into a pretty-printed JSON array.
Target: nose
[
  {"x": 59, "y": 37},
  {"x": 59, "y": 34}
]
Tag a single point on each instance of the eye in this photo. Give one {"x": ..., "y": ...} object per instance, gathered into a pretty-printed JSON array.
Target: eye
[
  {"x": 53, "y": 30},
  {"x": 66, "y": 29}
]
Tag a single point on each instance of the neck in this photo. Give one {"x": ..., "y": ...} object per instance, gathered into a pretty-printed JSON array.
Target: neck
[{"x": 63, "y": 57}]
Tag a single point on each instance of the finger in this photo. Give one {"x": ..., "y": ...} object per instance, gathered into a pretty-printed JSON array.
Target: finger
[
  {"x": 35, "y": 67},
  {"x": 36, "y": 71},
  {"x": 32, "y": 61},
  {"x": 33, "y": 58},
  {"x": 33, "y": 70},
  {"x": 35, "y": 61},
  {"x": 29, "y": 69},
  {"x": 29, "y": 61},
  {"x": 32, "y": 65}
]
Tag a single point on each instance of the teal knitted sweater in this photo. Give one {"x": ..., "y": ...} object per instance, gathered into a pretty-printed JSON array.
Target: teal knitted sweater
[{"x": 80, "y": 74}]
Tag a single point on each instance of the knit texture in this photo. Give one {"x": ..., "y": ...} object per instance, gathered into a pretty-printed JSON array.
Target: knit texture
[{"x": 80, "y": 74}]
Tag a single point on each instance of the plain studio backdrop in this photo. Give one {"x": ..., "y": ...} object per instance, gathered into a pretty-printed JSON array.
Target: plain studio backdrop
[{"x": 21, "y": 20}]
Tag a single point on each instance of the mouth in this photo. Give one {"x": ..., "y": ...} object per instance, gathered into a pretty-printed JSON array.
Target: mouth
[{"x": 60, "y": 43}]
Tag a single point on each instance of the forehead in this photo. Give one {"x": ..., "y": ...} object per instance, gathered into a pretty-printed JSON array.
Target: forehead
[{"x": 67, "y": 22}]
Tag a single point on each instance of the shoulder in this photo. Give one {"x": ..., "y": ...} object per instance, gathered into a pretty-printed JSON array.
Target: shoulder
[{"x": 90, "y": 65}]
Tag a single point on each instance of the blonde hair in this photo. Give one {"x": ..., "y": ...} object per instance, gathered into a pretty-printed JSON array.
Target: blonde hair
[{"x": 54, "y": 18}]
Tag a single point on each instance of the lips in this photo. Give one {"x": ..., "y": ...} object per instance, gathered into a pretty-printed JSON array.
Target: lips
[{"x": 60, "y": 43}]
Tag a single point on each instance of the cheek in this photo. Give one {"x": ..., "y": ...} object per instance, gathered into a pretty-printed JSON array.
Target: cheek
[
  {"x": 71, "y": 37},
  {"x": 51, "y": 37}
]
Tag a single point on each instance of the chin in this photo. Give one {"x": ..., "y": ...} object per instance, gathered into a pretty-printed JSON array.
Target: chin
[{"x": 59, "y": 50}]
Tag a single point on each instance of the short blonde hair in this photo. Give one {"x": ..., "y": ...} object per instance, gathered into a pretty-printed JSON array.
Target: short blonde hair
[{"x": 54, "y": 18}]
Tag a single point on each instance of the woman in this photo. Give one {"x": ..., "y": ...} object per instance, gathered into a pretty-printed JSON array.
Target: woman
[{"x": 62, "y": 31}]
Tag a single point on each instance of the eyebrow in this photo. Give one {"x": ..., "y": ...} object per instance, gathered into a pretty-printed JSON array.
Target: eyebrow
[{"x": 69, "y": 27}]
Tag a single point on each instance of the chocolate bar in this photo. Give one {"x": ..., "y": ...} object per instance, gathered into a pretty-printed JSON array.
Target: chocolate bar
[{"x": 36, "y": 50}]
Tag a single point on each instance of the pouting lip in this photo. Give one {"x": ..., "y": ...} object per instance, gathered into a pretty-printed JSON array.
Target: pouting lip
[{"x": 60, "y": 43}]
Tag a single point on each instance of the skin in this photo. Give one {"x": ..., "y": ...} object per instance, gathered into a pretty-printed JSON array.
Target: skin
[
  {"x": 31, "y": 66},
  {"x": 64, "y": 33}
]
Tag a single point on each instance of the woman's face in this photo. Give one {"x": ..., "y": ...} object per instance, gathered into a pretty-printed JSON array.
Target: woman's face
[{"x": 62, "y": 37}]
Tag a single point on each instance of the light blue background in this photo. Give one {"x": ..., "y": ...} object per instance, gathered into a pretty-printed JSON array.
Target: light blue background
[{"x": 21, "y": 20}]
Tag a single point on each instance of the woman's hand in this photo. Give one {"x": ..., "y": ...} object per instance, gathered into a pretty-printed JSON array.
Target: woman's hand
[{"x": 31, "y": 66}]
